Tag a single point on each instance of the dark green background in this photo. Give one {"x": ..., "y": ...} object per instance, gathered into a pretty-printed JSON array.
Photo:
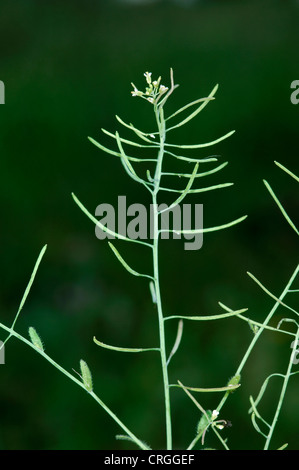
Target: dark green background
[{"x": 67, "y": 67}]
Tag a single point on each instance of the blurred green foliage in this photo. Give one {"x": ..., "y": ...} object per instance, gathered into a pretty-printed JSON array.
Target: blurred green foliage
[{"x": 67, "y": 67}]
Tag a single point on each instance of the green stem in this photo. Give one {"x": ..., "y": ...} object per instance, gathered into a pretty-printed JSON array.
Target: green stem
[
  {"x": 161, "y": 328},
  {"x": 162, "y": 133}
]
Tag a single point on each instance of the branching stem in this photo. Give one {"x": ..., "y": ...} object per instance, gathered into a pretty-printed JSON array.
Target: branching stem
[{"x": 80, "y": 383}]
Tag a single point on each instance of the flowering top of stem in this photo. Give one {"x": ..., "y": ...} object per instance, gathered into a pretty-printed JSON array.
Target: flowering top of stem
[{"x": 153, "y": 91}]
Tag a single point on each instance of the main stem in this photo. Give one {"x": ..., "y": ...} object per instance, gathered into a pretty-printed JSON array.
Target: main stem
[{"x": 157, "y": 177}]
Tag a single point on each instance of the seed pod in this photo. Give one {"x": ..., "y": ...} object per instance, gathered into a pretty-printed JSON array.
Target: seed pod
[
  {"x": 35, "y": 339},
  {"x": 86, "y": 375}
]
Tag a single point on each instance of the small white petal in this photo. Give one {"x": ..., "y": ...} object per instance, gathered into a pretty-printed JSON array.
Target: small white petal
[
  {"x": 163, "y": 88},
  {"x": 148, "y": 77}
]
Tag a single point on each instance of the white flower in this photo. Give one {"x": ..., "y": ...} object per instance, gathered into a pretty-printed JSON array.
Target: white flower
[
  {"x": 136, "y": 92},
  {"x": 162, "y": 89},
  {"x": 215, "y": 414},
  {"x": 219, "y": 426},
  {"x": 153, "y": 91},
  {"x": 148, "y": 76}
]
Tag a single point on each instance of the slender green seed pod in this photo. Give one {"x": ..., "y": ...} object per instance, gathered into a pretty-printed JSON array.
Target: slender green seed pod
[
  {"x": 35, "y": 339},
  {"x": 86, "y": 375}
]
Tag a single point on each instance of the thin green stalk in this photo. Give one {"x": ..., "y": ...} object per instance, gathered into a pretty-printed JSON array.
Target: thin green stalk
[
  {"x": 161, "y": 332},
  {"x": 27, "y": 290},
  {"x": 162, "y": 133},
  {"x": 220, "y": 438}
]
